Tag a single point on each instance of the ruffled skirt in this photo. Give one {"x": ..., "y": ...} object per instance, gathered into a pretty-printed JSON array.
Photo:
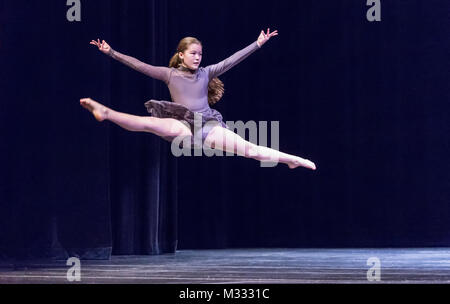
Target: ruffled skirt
[{"x": 200, "y": 122}]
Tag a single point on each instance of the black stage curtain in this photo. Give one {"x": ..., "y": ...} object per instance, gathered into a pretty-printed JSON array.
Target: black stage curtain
[
  {"x": 366, "y": 101},
  {"x": 143, "y": 172},
  {"x": 71, "y": 186}
]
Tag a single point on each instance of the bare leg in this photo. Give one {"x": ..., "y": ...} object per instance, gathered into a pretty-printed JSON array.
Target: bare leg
[
  {"x": 223, "y": 139},
  {"x": 155, "y": 125}
]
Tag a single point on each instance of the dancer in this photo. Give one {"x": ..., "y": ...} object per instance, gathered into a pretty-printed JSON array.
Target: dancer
[{"x": 193, "y": 90}]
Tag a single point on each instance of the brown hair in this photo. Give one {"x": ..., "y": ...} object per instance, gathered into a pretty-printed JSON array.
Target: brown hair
[{"x": 215, "y": 85}]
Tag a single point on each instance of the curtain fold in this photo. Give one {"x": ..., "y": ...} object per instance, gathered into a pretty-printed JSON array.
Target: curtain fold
[
  {"x": 143, "y": 171},
  {"x": 71, "y": 186}
]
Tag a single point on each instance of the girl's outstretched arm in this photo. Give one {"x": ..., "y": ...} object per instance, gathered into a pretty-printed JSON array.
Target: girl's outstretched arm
[
  {"x": 157, "y": 72},
  {"x": 218, "y": 69}
]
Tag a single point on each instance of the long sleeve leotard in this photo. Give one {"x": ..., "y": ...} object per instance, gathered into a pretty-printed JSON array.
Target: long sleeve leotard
[{"x": 187, "y": 87}]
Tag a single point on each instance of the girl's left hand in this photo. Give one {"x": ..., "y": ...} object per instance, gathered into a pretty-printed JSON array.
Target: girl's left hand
[{"x": 264, "y": 37}]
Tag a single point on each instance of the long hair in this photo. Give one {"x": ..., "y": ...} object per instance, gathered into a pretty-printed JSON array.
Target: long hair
[{"x": 215, "y": 85}]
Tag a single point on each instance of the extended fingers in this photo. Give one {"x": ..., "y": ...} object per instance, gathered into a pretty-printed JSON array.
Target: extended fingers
[
  {"x": 96, "y": 43},
  {"x": 268, "y": 34}
]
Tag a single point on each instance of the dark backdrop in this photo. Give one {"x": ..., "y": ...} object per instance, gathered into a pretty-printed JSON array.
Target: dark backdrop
[{"x": 367, "y": 102}]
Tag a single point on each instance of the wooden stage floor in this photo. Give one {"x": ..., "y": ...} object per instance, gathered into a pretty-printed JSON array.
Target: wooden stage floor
[{"x": 247, "y": 266}]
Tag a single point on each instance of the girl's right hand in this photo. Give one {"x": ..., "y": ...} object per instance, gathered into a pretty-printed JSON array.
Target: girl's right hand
[{"x": 103, "y": 46}]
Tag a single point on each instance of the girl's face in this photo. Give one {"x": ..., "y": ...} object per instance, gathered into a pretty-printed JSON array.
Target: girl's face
[{"x": 192, "y": 56}]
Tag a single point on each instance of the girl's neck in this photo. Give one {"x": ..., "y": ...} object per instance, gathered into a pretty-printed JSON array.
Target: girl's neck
[{"x": 183, "y": 67}]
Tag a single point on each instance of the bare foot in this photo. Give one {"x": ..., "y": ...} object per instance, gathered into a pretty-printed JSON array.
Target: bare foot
[
  {"x": 298, "y": 161},
  {"x": 99, "y": 111}
]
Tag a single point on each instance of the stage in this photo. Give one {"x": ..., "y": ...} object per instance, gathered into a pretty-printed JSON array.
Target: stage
[{"x": 247, "y": 266}]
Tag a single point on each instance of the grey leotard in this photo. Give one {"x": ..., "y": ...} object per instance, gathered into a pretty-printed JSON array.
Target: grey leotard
[{"x": 188, "y": 88}]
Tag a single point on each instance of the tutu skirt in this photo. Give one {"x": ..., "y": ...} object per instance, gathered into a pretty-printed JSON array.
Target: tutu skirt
[{"x": 169, "y": 109}]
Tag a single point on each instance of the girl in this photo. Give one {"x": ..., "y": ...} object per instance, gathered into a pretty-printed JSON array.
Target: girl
[{"x": 193, "y": 89}]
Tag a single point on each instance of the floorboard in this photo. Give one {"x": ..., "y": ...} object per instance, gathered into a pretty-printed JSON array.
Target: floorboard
[{"x": 246, "y": 266}]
